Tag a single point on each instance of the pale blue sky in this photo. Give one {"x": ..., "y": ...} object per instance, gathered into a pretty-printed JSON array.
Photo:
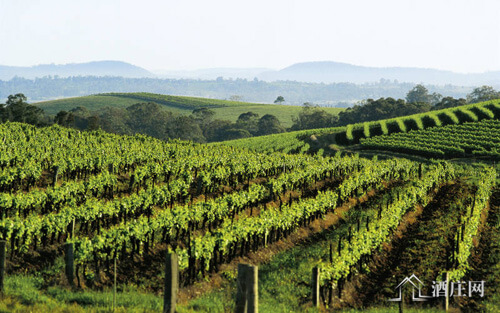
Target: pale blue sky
[{"x": 457, "y": 35}]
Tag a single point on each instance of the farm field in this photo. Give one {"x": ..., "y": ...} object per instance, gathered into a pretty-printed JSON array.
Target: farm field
[
  {"x": 290, "y": 142},
  {"x": 131, "y": 199},
  {"x": 286, "y": 278},
  {"x": 451, "y": 116},
  {"x": 469, "y": 139},
  {"x": 448, "y": 122},
  {"x": 263, "y": 157},
  {"x": 224, "y": 109}
]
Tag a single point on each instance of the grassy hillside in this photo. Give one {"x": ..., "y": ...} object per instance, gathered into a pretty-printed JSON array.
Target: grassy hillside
[
  {"x": 301, "y": 141},
  {"x": 330, "y": 140},
  {"x": 177, "y": 104},
  {"x": 224, "y": 109},
  {"x": 451, "y": 116},
  {"x": 181, "y": 102},
  {"x": 470, "y": 139},
  {"x": 90, "y": 102}
]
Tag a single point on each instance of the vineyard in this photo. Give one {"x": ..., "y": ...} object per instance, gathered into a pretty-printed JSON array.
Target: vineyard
[
  {"x": 476, "y": 139},
  {"x": 118, "y": 197},
  {"x": 290, "y": 142},
  {"x": 330, "y": 140},
  {"x": 458, "y": 115},
  {"x": 126, "y": 200}
]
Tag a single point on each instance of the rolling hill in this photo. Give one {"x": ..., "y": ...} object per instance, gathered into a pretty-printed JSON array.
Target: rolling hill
[
  {"x": 335, "y": 72},
  {"x": 224, "y": 109},
  {"x": 405, "y": 134},
  {"x": 96, "y": 68}
]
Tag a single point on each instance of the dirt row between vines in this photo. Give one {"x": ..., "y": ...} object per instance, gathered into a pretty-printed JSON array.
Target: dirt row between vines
[
  {"x": 416, "y": 243},
  {"x": 301, "y": 236},
  {"x": 485, "y": 258}
]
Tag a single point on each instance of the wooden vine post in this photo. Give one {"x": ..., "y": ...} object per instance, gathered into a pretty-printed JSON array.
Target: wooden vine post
[
  {"x": 339, "y": 248},
  {"x": 241, "y": 292},
  {"x": 114, "y": 284},
  {"x": 331, "y": 253},
  {"x": 54, "y": 175},
  {"x": 70, "y": 264},
  {"x": 171, "y": 283},
  {"x": 315, "y": 287},
  {"x": 247, "y": 296},
  {"x": 3, "y": 245},
  {"x": 447, "y": 299}
]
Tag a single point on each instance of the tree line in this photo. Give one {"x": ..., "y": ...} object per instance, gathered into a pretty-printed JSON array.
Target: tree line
[
  {"x": 153, "y": 120},
  {"x": 202, "y": 126},
  {"x": 418, "y": 100},
  {"x": 296, "y": 93}
]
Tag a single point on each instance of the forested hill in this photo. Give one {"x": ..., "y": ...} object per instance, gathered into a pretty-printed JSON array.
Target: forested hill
[
  {"x": 96, "y": 68},
  {"x": 296, "y": 93},
  {"x": 330, "y": 72}
]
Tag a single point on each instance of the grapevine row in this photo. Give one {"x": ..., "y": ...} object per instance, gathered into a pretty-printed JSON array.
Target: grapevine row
[
  {"x": 364, "y": 242},
  {"x": 470, "y": 224},
  {"x": 204, "y": 249},
  {"x": 477, "y": 138}
]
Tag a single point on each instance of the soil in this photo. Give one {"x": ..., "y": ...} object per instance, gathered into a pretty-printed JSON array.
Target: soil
[{"x": 420, "y": 246}]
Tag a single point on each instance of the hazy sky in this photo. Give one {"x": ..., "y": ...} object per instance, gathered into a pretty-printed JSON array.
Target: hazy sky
[{"x": 458, "y": 35}]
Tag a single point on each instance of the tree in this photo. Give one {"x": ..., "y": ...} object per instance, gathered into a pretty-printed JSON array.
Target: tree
[
  {"x": 203, "y": 116},
  {"x": 65, "y": 119},
  {"x": 313, "y": 117},
  {"x": 216, "y": 130},
  {"x": 185, "y": 128},
  {"x": 371, "y": 110},
  {"x": 18, "y": 98},
  {"x": 435, "y": 98},
  {"x": 420, "y": 94},
  {"x": 248, "y": 121},
  {"x": 94, "y": 123},
  {"x": 4, "y": 114},
  {"x": 483, "y": 93},
  {"x": 16, "y": 109},
  {"x": 270, "y": 124},
  {"x": 449, "y": 102},
  {"x": 117, "y": 120},
  {"x": 279, "y": 100},
  {"x": 81, "y": 115},
  {"x": 247, "y": 116},
  {"x": 236, "y": 133},
  {"x": 149, "y": 118}
]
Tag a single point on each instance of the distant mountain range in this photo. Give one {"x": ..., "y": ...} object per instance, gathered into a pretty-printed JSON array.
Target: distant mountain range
[
  {"x": 335, "y": 72},
  {"x": 97, "y": 68},
  {"x": 313, "y": 72},
  {"x": 214, "y": 73}
]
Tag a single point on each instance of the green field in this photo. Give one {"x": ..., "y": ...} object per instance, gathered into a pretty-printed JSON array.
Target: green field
[
  {"x": 224, "y": 109},
  {"x": 92, "y": 103}
]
